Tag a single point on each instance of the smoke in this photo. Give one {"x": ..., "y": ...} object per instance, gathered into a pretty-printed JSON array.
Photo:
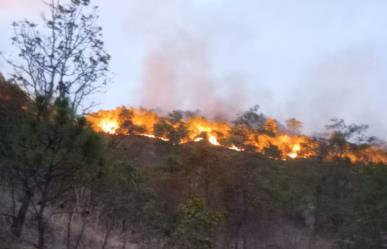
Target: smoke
[
  {"x": 17, "y": 4},
  {"x": 311, "y": 61},
  {"x": 339, "y": 85},
  {"x": 178, "y": 76}
]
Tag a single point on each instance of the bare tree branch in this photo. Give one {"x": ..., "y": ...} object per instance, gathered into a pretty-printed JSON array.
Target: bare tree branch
[{"x": 64, "y": 57}]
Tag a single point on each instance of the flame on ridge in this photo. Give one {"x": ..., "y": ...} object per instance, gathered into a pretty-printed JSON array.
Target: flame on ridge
[
  {"x": 109, "y": 126},
  {"x": 132, "y": 121}
]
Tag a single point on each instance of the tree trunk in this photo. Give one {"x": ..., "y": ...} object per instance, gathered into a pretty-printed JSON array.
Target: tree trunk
[
  {"x": 41, "y": 212},
  {"x": 124, "y": 241},
  {"x": 80, "y": 236},
  {"x": 18, "y": 221},
  {"x": 124, "y": 233},
  {"x": 41, "y": 229},
  {"x": 69, "y": 224},
  {"x": 106, "y": 238}
]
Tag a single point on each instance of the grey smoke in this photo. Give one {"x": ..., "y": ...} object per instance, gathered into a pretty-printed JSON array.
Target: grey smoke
[{"x": 178, "y": 76}]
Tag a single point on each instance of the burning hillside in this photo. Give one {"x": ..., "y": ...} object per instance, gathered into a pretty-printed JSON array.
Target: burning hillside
[{"x": 251, "y": 132}]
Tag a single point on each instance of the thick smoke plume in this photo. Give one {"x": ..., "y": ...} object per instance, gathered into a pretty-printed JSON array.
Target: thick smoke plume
[{"x": 178, "y": 76}]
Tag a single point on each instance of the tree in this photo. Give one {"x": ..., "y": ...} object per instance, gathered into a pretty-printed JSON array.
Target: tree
[
  {"x": 196, "y": 225},
  {"x": 355, "y": 132},
  {"x": 294, "y": 125},
  {"x": 251, "y": 119},
  {"x": 12, "y": 102},
  {"x": 125, "y": 118},
  {"x": 247, "y": 123},
  {"x": 172, "y": 128},
  {"x": 343, "y": 138},
  {"x": 47, "y": 149},
  {"x": 47, "y": 153},
  {"x": 66, "y": 57},
  {"x": 368, "y": 226}
]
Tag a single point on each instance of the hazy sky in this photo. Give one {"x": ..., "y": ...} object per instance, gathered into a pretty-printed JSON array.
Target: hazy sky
[{"x": 308, "y": 59}]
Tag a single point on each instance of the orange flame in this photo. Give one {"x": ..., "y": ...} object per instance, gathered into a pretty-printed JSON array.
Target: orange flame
[
  {"x": 289, "y": 146},
  {"x": 109, "y": 126}
]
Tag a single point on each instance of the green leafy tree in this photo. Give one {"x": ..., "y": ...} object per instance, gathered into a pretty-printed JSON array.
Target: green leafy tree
[
  {"x": 367, "y": 227},
  {"x": 196, "y": 226},
  {"x": 47, "y": 153},
  {"x": 61, "y": 63}
]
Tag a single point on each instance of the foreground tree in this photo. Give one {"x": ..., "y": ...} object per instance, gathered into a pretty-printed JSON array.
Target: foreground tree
[
  {"x": 196, "y": 225},
  {"x": 48, "y": 147},
  {"x": 47, "y": 153},
  {"x": 63, "y": 57}
]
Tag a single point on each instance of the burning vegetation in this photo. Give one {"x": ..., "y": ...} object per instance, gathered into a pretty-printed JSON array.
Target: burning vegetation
[{"x": 250, "y": 132}]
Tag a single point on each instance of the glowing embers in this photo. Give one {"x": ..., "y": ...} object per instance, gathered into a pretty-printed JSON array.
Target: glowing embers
[
  {"x": 213, "y": 140},
  {"x": 109, "y": 126},
  {"x": 295, "y": 150}
]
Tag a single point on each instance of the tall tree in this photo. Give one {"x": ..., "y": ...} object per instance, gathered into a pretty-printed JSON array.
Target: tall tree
[
  {"x": 47, "y": 152},
  {"x": 63, "y": 57},
  {"x": 61, "y": 64}
]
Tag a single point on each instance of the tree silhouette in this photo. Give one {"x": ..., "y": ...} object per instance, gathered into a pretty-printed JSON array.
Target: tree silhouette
[{"x": 63, "y": 57}]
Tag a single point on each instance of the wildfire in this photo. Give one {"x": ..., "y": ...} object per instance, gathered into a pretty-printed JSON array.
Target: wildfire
[
  {"x": 109, "y": 126},
  {"x": 295, "y": 150},
  {"x": 213, "y": 140},
  {"x": 275, "y": 142}
]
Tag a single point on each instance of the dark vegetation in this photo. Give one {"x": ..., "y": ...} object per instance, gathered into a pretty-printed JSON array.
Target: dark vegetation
[{"x": 64, "y": 186}]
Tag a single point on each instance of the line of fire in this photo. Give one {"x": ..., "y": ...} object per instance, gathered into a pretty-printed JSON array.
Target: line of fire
[{"x": 267, "y": 136}]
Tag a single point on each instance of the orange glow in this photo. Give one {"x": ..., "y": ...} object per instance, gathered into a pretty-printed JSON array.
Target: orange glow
[
  {"x": 109, "y": 126},
  {"x": 131, "y": 121},
  {"x": 213, "y": 140},
  {"x": 295, "y": 150},
  {"x": 145, "y": 119}
]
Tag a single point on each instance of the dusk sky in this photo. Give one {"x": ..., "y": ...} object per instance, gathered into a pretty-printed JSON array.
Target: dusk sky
[{"x": 309, "y": 59}]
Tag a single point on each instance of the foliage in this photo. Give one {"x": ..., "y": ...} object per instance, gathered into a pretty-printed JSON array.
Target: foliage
[
  {"x": 368, "y": 225},
  {"x": 196, "y": 226},
  {"x": 48, "y": 152}
]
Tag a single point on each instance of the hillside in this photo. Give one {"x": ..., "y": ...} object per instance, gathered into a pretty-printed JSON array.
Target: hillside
[
  {"x": 305, "y": 203},
  {"x": 135, "y": 191}
]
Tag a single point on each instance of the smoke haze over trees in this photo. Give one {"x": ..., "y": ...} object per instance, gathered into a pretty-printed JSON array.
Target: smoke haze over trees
[
  {"x": 310, "y": 61},
  {"x": 222, "y": 177}
]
